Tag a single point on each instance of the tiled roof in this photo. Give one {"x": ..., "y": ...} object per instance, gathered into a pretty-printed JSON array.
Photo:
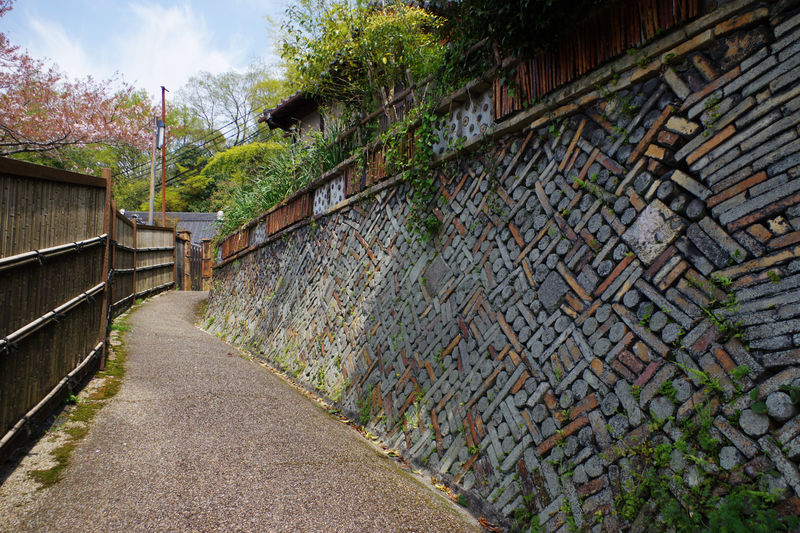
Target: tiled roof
[
  {"x": 290, "y": 110},
  {"x": 201, "y": 225}
]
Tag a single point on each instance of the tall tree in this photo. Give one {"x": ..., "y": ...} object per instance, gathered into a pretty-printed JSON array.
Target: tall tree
[
  {"x": 42, "y": 111},
  {"x": 230, "y": 101}
]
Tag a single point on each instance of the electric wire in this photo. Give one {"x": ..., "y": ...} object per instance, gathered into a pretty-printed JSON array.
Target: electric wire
[
  {"x": 209, "y": 138},
  {"x": 172, "y": 180},
  {"x": 175, "y": 156},
  {"x": 175, "y": 179}
]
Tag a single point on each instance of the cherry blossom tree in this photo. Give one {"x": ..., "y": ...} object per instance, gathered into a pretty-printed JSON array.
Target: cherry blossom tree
[{"x": 43, "y": 111}]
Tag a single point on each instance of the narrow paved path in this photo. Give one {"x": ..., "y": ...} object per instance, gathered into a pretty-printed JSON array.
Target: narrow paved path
[{"x": 197, "y": 440}]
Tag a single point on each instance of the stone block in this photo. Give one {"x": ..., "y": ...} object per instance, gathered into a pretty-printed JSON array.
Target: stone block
[
  {"x": 682, "y": 126},
  {"x": 787, "y": 469},
  {"x": 780, "y": 406},
  {"x": 741, "y": 21},
  {"x": 690, "y": 184},
  {"x": 655, "y": 229},
  {"x": 704, "y": 243},
  {"x": 551, "y": 291}
]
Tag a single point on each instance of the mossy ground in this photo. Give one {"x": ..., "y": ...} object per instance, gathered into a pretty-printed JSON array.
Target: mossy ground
[{"x": 74, "y": 422}]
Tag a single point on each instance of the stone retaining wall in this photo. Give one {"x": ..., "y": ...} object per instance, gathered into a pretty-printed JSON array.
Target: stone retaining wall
[{"x": 609, "y": 273}]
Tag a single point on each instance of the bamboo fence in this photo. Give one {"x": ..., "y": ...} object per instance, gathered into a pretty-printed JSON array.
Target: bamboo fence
[{"x": 58, "y": 272}]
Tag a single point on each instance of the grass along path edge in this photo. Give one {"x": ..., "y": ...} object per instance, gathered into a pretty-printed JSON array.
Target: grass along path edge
[{"x": 74, "y": 422}]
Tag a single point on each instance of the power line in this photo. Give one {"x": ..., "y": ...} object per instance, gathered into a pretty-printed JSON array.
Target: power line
[
  {"x": 211, "y": 136},
  {"x": 175, "y": 179},
  {"x": 173, "y": 157},
  {"x": 208, "y": 135},
  {"x": 245, "y": 140}
]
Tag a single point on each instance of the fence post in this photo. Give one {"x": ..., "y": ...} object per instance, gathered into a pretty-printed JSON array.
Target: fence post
[
  {"x": 175, "y": 257},
  {"x": 105, "y": 312},
  {"x": 112, "y": 257},
  {"x": 135, "y": 259},
  {"x": 205, "y": 271},
  {"x": 187, "y": 263}
]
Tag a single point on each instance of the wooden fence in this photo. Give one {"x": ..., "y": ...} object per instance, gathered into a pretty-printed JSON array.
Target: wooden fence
[
  {"x": 194, "y": 267},
  {"x": 188, "y": 263},
  {"x": 183, "y": 242},
  {"x": 58, "y": 272},
  {"x": 123, "y": 253},
  {"x": 615, "y": 29},
  {"x": 624, "y": 26},
  {"x": 142, "y": 261}
]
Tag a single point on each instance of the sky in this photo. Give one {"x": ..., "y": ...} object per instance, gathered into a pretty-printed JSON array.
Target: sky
[{"x": 149, "y": 44}]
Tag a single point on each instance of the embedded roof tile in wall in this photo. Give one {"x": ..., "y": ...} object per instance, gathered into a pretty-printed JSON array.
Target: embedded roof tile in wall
[
  {"x": 600, "y": 277},
  {"x": 258, "y": 235},
  {"x": 470, "y": 119},
  {"x": 321, "y": 200},
  {"x": 328, "y": 195},
  {"x": 336, "y": 194}
]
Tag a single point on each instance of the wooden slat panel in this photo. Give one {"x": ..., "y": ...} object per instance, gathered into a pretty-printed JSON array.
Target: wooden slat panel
[
  {"x": 601, "y": 38},
  {"x": 42, "y": 208}
]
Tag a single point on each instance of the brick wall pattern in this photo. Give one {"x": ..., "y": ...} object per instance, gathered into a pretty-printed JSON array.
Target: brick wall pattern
[{"x": 647, "y": 232}]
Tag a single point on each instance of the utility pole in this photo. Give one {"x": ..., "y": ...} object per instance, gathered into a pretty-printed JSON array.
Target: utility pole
[
  {"x": 164, "y": 158},
  {"x": 153, "y": 172}
]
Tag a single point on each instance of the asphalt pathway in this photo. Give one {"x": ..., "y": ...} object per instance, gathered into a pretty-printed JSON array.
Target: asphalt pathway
[{"x": 197, "y": 440}]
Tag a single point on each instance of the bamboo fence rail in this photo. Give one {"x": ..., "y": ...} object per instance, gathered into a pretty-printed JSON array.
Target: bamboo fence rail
[{"x": 65, "y": 255}]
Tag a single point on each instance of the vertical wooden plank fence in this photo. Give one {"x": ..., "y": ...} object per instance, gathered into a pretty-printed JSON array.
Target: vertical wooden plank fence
[
  {"x": 208, "y": 260},
  {"x": 194, "y": 267},
  {"x": 183, "y": 241},
  {"x": 155, "y": 259},
  {"x": 52, "y": 289},
  {"x": 189, "y": 263},
  {"x": 123, "y": 277},
  {"x": 68, "y": 263}
]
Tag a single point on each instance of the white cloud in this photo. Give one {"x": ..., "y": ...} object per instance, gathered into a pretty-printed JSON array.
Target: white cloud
[
  {"x": 168, "y": 45},
  {"x": 51, "y": 42},
  {"x": 152, "y": 45}
]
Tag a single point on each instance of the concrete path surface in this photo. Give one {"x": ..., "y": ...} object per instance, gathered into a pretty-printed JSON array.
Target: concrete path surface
[{"x": 197, "y": 440}]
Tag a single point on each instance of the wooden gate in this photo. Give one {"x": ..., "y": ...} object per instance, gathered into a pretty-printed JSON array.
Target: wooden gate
[
  {"x": 182, "y": 245},
  {"x": 196, "y": 266}
]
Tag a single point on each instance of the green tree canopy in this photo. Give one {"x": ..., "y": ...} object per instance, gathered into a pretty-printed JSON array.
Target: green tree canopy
[{"x": 342, "y": 50}]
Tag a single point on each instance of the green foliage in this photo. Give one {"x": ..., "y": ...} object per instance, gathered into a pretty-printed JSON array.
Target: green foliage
[
  {"x": 648, "y": 312},
  {"x": 234, "y": 167},
  {"x": 364, "y": 406},
  {"x": 793, "y": 392},
  {"x": 209, "y": 115},
  {"x": 740, "y": 372},
  {"x": 719, "y": 310},
  {"x": 524, "y": 520},
  {"x": 229, "y": 100},
  {"x": 715, "y": 501},
  {"x": 81, "y": 411},
  {"x": 668, "y": 389},
  {"x": 748, "y": 510},
  {"x": 346, "y": 50},
  {"x": 415, "y": 166}
]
